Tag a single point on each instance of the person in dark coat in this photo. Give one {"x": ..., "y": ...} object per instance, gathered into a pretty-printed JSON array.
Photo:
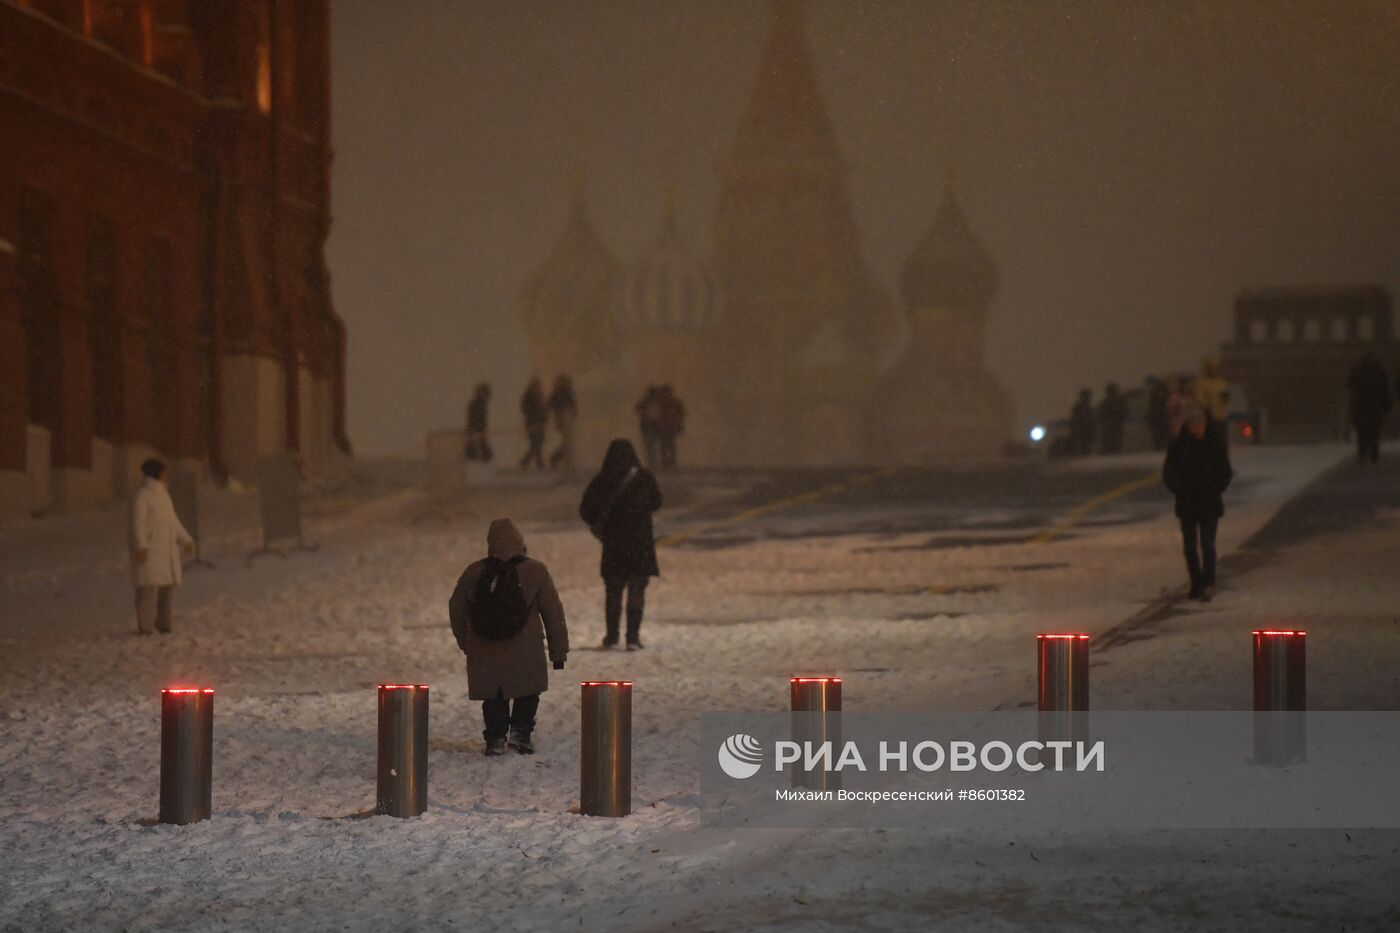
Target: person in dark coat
[
  {"x": 617, "y": 506},
  {"x": 563, "y": 404},
  {"x": 478, "y": 444},
  {"x": 1113, "y": 413},
  {"x": 672, "y": 425},
  {"x": 1081, "y": 425},
  {"x": 1368, "y": 386},
  {"x": 536, "y": 414},
  {"x": 649, "y": 422},
  {"x": 1197, "y": 471},
  {"x": 509, "y": 675}
]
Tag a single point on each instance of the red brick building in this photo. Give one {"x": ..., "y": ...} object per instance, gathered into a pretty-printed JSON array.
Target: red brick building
[{"x": 164, "y": 204}]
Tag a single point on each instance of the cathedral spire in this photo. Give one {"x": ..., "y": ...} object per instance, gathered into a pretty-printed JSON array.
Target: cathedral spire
[{"x": 786, "y": 115}]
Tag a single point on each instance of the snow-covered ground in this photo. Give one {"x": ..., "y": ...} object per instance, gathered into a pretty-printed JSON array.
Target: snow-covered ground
[{"x": 296, "y": 647}]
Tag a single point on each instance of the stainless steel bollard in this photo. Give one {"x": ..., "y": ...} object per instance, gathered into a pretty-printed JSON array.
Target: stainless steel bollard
[
  {"x": 186, "y": 754},
  {"x": 1280, "y": 696},
  {"x": 403, "y": 749},
  {"x": 816, "y": 719},
  {"x": 1062, "y": 686},
  {"x": 605, "y": 752}
]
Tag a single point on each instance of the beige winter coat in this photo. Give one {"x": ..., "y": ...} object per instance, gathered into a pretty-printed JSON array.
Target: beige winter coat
[
  {"x": 516, "y": 667},
  {"x": 156, "y": 528}
]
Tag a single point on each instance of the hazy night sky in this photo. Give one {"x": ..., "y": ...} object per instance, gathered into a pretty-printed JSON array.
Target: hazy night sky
[{"x": 1130, "y": 165}]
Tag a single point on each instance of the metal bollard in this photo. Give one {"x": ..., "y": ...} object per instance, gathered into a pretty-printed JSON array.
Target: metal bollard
[
  {"x": 403, "y": 750},
  {"x": 186, "y": 754},
  {"x": 816, "y": 719},
  {"x": 1280, "y": 696},
  {"x": 605, "y": 753},
  {"x": 1062, "y": 686}
]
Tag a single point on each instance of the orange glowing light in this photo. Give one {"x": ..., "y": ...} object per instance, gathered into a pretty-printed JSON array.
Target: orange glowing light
[
  {"x": 1282, "y": 632},
  {"x": 816, "y": 680},
  {"x": 1057, "y": 635},
  {"x": 187, "y": 690},
  {"x": 605, "y": 683},
  {"x": 403, "y": 686}
]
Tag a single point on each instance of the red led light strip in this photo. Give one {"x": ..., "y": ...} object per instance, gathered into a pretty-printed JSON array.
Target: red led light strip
[
  {"x": 188, "y": 690},
  {"x": 816, "y": 680},
  {"x": 403, "y": 686},
  {"x": 1258, "y": 632},
  {"x": 605, "y": 683},
  {"x": 1081, "y": 637}
]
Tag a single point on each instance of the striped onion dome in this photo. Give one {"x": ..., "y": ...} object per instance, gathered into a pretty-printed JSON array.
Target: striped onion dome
[{"x": 668, "y": 289}]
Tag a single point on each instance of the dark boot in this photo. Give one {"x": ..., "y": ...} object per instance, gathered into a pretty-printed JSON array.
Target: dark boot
[
  {"x": 521, "y": 742},
  {"x": 495, "y": 746},
  {"x": 634, "y": 643}
]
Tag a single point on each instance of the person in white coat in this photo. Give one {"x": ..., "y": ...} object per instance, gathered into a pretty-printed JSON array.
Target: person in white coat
[{"x": 157, "y": 540}]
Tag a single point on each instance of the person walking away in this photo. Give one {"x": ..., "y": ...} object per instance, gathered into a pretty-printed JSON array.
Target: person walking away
[
  {"x": 478, "y": 444},
  {"x": 157, "y": 540},
  {"x": 1213, "y": 394},
  {"x": 649, "y": 421},
  {"x": 1113, "y": 412},
  {"x": 506, "y": 616},
  {"x": 564, "y": 406},
  {"x": 1157, "y": 392},
  {"x": 672, "y": 425},
  {"x": 1368, "y": 388},
  {"x": 536, "y": 414},
  {"x": 617, "y": 507},
  {"x": 1081, "y": 425},
  {"x": 1197, "y": 471}
]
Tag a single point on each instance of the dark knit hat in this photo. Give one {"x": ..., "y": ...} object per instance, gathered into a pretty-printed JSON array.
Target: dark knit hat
[{"x": 153, "y": 468}]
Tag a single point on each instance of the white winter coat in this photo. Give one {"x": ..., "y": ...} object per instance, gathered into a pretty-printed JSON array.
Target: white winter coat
[{"x": 156, "y": 527}]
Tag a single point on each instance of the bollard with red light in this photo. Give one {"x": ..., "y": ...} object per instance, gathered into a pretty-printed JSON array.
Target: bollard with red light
[
  {"x": 186, "y": 754},
  {"x": 403, "y": 750},
  {"x": 1280, "y": 696},
  {"x": 1062, "y": 685},
  {"x": 816, "y": 719},
  {"x": 605, "y": 752}
]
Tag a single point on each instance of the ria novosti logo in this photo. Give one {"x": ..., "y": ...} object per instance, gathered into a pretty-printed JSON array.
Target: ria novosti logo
[{"x": 740, "y": 756}]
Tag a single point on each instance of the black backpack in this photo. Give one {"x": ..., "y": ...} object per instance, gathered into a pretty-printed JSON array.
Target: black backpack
[{"x": 498, "y": 610}]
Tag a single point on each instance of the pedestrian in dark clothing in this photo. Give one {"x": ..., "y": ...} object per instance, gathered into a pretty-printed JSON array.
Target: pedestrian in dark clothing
[
  {"x": 672, "y": 425},
  {"x": 536, "y": 414},
  {"x": 508, "y": 674},
  {"x": 1197, "y": 471},
  {"x": 1157, "y": 394},
  {"x": 1368, "y": 386},
  {"x": 564, "y": 407},
  {"x": 649, "y": 422},
  {"x": 617, "y": 507},
  {"x": 1081, "y": 425},
  {"x": 478, "y": 444},
  {"x": 1113, "y": 412}
]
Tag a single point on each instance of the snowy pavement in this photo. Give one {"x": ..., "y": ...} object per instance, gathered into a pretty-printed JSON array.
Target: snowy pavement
[{"x": 922, "y": 588}]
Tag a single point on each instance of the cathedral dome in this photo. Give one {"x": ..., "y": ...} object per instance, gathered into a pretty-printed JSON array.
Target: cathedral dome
[
  {"x": 573, "y": 292},
  {"x": 951, "y": 267},
  {"x": 668, "y": 289}
]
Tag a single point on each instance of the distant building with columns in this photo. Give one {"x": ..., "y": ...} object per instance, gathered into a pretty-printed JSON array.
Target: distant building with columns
[
  {"x": 164, "y": 204},
  {"x": 1293, "y": 348},
  {"x": 780, "y": 341}
]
